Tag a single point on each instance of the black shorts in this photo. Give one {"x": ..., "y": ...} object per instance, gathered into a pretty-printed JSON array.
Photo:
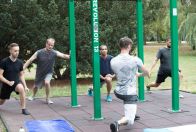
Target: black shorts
[
  {"x": 127, "y": 99},
  {"x": 101, "y": 80},
  {"x": 162, "y": 75},
  {"x": 6, "y": 90}
]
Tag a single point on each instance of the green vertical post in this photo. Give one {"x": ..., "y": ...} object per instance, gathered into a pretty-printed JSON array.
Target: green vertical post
[
  {"x": 96, "y": 59},
  {"x": 174, "y": 53},
  {"x": 140, "y": 43},
  {"x": 74, "y": 102}
]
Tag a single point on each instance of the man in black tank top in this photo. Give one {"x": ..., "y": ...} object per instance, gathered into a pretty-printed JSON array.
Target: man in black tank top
[{"x": 12, "y": 77}]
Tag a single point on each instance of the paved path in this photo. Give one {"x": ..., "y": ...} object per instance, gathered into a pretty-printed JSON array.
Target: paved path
[{"x": 154, "y": 113}]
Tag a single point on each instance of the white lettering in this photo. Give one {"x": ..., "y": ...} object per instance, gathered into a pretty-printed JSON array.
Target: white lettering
[
  {"x": 95, "y": 25},
  {"x": 96, "y": 39},
  {"x": 96, "y": 49},
  {"x": 94, "y": 3}
]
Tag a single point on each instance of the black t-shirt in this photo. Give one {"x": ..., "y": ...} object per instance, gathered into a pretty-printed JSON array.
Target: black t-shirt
[
  {"x": 11, "y": 69},
  {"x": 164, "y": 54}
]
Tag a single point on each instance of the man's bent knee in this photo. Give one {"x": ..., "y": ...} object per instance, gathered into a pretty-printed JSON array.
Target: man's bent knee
[
  {"x": 20, "y": 88},
  {"x": 47, "y": 83}
]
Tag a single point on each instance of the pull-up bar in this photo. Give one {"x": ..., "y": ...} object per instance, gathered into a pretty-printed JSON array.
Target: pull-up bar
[{"x": 96, "y": 63}]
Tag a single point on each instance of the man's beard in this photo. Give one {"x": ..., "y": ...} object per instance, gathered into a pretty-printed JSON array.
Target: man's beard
[{"x": 168, "y": 46}]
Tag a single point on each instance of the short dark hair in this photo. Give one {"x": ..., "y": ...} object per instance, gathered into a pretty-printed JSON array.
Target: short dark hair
[
  {"x": 168, "y": 38},
  {"x": 102, "y": 46},
  {"x": 125, "y": 42},
  {"x": 12, "y": 45},
  {"x": 50, "y": 39}
]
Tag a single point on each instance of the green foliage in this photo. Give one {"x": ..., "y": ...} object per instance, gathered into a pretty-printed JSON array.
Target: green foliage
[
  {"x": 31, "y": 22},
  {"x": 187, "y": 28},
  {"x": 156, "y": 19},
  {"x": 116, "y": 20}
]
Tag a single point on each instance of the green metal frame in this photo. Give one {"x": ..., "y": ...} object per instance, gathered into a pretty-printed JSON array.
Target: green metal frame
[
  {"x": 74, "y": 102},
  {"x": 174, "y": 52},
  {"x": 140, "y": 39},
  {"x": 96, "y": 59}
]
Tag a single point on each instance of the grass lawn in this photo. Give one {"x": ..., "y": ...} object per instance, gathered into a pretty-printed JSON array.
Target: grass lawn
[
  {"x": 187, "y": 59},
  {"x": 187, "y": 64}
]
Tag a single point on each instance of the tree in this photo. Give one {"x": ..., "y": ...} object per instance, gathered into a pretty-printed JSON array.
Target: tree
[{"x": 187, "y": 27}]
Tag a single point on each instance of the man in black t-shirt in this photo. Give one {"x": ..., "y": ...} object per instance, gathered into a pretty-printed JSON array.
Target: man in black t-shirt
[
  {"x": 12, "y": 77},
  {"x": 164, "y": 55}
]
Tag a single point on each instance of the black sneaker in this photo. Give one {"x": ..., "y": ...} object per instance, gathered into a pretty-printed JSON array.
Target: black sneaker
[
  {"x": 114, "y": 127},
  {"x": 148, "y": 88},
  {"x": 25, "y": 112},
  {"x": 137, "y": 117}
]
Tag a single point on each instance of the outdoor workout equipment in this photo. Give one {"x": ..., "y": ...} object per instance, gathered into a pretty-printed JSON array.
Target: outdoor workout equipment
[{"x": 140, "y": 38}]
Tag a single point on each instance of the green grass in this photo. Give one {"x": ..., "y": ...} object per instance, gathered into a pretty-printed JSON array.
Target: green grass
[
  {"x": 187, "y": 64},
  {"x": 62, "y": 91}
]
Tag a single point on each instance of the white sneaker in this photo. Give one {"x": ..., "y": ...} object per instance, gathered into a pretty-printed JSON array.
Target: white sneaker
[
  {"x": 48, "y": 101},
  {"x": 31, "y": 98},
  {"x": 181, "y": 96}
]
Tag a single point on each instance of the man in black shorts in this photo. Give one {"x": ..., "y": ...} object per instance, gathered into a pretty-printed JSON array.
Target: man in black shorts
[
  {"x": 164, "y": 54},
  {"x": 12, "y": 77}
]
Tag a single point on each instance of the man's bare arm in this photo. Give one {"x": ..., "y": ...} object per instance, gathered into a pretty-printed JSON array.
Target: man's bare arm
[
  {"x": 29, "y": 61},
  {"x": 64, "y": 56},
  {"x": 153, "y": 65},
  {"x": 4, "y": 80}
]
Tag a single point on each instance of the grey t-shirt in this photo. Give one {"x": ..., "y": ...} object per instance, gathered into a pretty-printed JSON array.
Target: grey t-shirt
[
  {"x": 164, "y": 54},
  {"x": 45, "y": 63},
  {"x": 125, "y": 67}
]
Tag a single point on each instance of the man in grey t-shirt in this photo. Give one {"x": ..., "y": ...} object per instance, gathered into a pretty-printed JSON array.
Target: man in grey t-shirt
[
  {"x": 164, "y": 55},
  {"x": 45, "y": 62},
  {"x": 125, "y": 67}
]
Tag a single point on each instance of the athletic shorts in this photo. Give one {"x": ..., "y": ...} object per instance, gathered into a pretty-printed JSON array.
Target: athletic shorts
[
  {"x": 6, "y": 90},
  {"x": 102, "y": 82},
  {"x": 161, "y": 76},
  {"x": 39, "y": 82},
  {"x": 127, "y": 99}
]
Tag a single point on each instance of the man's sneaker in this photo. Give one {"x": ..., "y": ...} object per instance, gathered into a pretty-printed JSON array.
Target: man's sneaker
[
  {"x": 137, "y": 117},
  {"x": 25, "y": 112},
  {"x": 48, "y": 101},
  {"x": 109, "y": 98},
  {"x": 90, "y": 92},
  {"x": 181, "y": 96},
  {"x": 147, "y": 88},
  {"x": 114, "y": 127},
  {"x": 31, "y": 98}
]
